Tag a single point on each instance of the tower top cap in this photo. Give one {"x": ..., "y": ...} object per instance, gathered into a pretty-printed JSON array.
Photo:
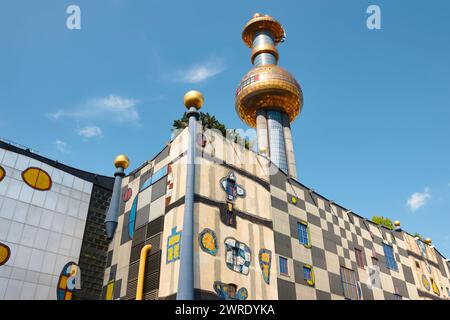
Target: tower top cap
[
  {"x": 428, "y": 241},
  {"x": 194, "y": 99},
  {"x": 261, "y": 22},
  {"x": 397, "y": 223},
  {"x": 121, "y": 161}
]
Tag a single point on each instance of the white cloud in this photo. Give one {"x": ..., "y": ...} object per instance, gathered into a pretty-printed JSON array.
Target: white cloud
[
  {"x": 200, "y": 72},
  {"x": 90, "y": 132},
  {"x": 114, "y": 107},
  {"x": 418, "y": 199},
  {"x": 61, "y": 146}
]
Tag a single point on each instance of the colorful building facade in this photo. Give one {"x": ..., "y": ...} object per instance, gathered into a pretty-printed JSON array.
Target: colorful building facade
[{"x": 206, "y": 218}]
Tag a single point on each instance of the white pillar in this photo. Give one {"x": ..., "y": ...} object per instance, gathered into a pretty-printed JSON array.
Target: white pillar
[
  {"x": 289, "y": 145},
  {"x": 261, "y": 131}
]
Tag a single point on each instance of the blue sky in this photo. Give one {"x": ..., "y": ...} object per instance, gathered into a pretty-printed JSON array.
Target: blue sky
[{"x": 374, "y": 132}]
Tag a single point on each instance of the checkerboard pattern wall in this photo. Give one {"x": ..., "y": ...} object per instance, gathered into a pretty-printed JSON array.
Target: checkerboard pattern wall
[
  {"x": 334, "y": 234},
  {"x": 124, "y": 251}
]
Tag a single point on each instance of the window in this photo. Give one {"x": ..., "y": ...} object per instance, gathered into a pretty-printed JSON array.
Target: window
[
  {"x": 37, "y": 178},
  {"x": 308, "y": 274},
  {"x": 283, "y": 266},
  {"x": 348, "y": 280},
  {"x": 303, "y": 233},
  {"x": 417, "y": 264},
  {"x": 389, "y": 254},
  {"x": 359, "y": 258},
  {"x": 397, "y": 297},
  {"x": 374, "y": 261},
  {"x": 397, "y": 294}
]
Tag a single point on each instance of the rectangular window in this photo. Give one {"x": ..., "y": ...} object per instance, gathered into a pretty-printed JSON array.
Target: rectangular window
[
  {"x": 390, "y": 259},
  {"x": 303, "y": 236},
  {"x": 283, "y": 266},
  {"x": 359, "y": 258},
  {"x": 348, "y": 280},
  {"x": 307, "y": 273},
  {"x": 397, "y": 294},
  {"x": 374, "y": 261}
]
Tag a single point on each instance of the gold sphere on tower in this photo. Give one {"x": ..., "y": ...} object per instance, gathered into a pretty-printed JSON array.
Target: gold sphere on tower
[
  {"x": 121, "y": 161},
  {"x": 397, "y": 223},
  {"x": 268, "y": 87},
  {"x": 428, "y": 241},
  {"x": 194, "y": 99}
]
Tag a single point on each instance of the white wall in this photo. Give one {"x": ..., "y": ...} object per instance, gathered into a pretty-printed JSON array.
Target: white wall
[{"x": 43, "y": 229}]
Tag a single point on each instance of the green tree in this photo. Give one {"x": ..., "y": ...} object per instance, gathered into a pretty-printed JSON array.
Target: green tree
[
  {"x": 210, "y": 122},
  {"x": 418, "y": 235},
  {"x": 383, "y": 221}
]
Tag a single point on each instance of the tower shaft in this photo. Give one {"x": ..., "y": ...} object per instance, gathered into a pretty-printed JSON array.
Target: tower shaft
[{"x": 273, "y": 126}]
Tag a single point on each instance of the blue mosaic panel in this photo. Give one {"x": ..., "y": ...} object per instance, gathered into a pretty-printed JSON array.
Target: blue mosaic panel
[
  {"x": 237, "y": 256},
  {"x": 133, "y": 217},
  {"x": 154, "y": 178}
]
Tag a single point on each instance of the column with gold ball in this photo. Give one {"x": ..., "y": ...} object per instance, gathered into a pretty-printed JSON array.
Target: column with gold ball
[
  {"x": 193, "y": 100},
  {"x": 121, "y": 163}
]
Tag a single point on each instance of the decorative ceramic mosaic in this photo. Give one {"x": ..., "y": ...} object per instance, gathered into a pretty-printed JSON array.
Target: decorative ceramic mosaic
[
  {"x": 207, "y": 241},
  {"x": 5, "y": 253},
  {"x": 37, "y": 179},
  {"x": 173, "y": 245},
  {"x": 237, "y": 255},
  {"x": 232, "y": 189},
  {"x": 69, "y": 280},
  {"x": 265, "y": 261},
  {"x": 133, "y": 213},
  {"x": 169, "y": 187},
  {"x": 127, "y": 195},
  {"x": 426, "y": 283}
]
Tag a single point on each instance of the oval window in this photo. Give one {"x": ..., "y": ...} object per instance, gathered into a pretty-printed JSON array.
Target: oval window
[
  {"x": 2, "y": 173},
  {"x": 127, "y": 194},
  {"x": 37, "y": 179},
  {"x": 5, "y": 253}
]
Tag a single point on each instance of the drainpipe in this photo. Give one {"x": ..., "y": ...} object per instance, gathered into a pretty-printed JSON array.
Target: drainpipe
[
  {"x": 140, "y": 285},
  {"x": 193, "y": 100},
  {"x": 112, "y": 216}
]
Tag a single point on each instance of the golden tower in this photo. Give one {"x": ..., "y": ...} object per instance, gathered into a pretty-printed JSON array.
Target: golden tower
[{"x": 269, "y": 97}]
